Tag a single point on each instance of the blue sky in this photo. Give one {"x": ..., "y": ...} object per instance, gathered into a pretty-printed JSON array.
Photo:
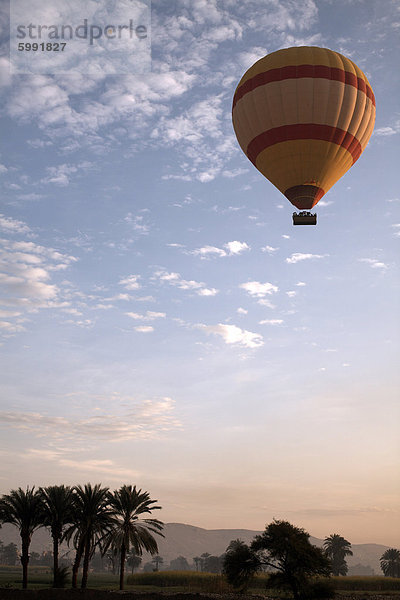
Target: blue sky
[{"x": 162, "y": 321}]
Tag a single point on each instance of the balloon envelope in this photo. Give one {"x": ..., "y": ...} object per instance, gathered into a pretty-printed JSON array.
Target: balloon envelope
[{"x": 303, "y": 116}]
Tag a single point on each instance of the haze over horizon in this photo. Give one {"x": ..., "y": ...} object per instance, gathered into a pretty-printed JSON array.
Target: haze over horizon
[{"x": 162, "y": 322}]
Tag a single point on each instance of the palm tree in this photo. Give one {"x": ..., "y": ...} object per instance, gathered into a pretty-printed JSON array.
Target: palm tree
[
  {"x": 133, "y": 561},
  {"x": 157, "y": 560},
  {"x": 90, "y": 522},
  {"x": 390, "y": 562},
  {"x": 336, "y": 549},
  {"x": 24, "y": 510},
  {"x": 203, "y": 560},
  {"x": 129, "y": 529},
  {"x": 57, "y": 506}
]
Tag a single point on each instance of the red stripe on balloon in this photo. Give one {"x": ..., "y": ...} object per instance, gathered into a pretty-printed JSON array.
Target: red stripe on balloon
[
  {"x": 303, "y": 131},
  {"x": 296, "y": 72}
]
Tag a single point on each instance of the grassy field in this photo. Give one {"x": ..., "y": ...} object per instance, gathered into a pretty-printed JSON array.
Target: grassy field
[
  {"x": 188, "y": 581},
  {"x": 209, "y": 582}
]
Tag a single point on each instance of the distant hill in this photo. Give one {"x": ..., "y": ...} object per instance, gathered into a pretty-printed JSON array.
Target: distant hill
[{"x": 189, "y": 541}]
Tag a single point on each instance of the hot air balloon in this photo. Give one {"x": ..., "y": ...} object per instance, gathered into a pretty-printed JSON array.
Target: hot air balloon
[{"x": 303, "y": 116}]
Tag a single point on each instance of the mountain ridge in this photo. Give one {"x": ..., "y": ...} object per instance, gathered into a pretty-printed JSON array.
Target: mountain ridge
[{"x": 182, "y": 539}]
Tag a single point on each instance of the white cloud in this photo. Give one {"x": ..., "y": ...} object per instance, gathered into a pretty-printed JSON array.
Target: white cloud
[
  {"x": 8, "y": 328},
  {"x": 299, "y": 256},
  {"x": 291, "y": 293},
  {"x": 259, "y": 290},
  {"x": 234, "y": 172},
  {"x": 137, "y": 223},
  {"x": 396, "y": 226},
  {"x": 232, "y": 334},
  {"x": 149, "y": 316},
  {"x": 144, "y": 329},
  {"x": 231, "y": 249},
  {"x": 269, "y": 249},
  {"x": 374, "y": 263},
  {"x": 31, "y": 196},
  {"x": 131, "y": 282},
  {"x": 207, "y": 251},
  {"x": 175, "y": 279},
  {"x": 385, "y": 131},
  {"x": 236, "y": 247},
  {"x": 301, "y": 284},
  {"x": 146, "y": 420},
  {"x": 5, "y": 71},
  {"x": 207, "y": 292},
  {"x": 242, "y": 311},
  {"x": 60, "y": 175},
  {"x": 325, "y": 202},
  {"x": 281, "y": 16},
  {"x": 26, "y": 271},
  {"x": 271, "y": 322},
  {"x": 10, "y": 225}
]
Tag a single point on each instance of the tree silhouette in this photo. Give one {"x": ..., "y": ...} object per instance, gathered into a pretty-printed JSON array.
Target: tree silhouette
[
  {"x": 57, "y": 513},
  {"x": 336, "y": 549},
  {"x": 179, "y": 563},
  {"x": 390, "y": 562},
  {"x": 133, "y": 561},
  {"x": 24, "y": 510},
  {"x": 203, "y": 558},
  {"x": 91, "y": 520},
  {"x": 157, "y": 560},
  {"x": 240, "y": 564},
  {"x": 128, "y": 528},
  {"x": 287, "y": 550},
  {"x": 9, "y": 554}
]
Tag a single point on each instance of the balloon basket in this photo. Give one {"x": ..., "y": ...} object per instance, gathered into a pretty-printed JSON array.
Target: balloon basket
[{"x": 304, "y": 218}]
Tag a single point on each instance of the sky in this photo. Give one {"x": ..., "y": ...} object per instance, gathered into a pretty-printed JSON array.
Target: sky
[{"x": 162, "y": 322}]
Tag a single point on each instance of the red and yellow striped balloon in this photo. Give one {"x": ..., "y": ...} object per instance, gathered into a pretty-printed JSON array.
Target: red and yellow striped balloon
[{"x": 303, "y": 116}]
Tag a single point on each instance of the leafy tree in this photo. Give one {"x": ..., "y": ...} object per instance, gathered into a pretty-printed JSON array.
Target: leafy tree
[
  {"x": 128, "y": 527},
  {"x": 240, "y": 564},
  {"x": 390, "y": 562},
  {"x": 203, "y": 558},
  {"x": 213, "y": 564},
  {"x": 134, "y": 561},
  {"x": 179, "y": 564},
  {"x": 57, "y": 513},
  {"x": 114, "y": 558},
  {"x": 9, "y": 554},
  {"x": 157, "y": 561},
  {"x": 91, "y": 519},
  {"x": 24, "y": 510},
  {"x": 287, "y": 549},
  {"x": 35, "y": 558},
  {"x": 336, "y": 549},
  {"x": 284, "y": 548},
  {"x": 97, "y": 562},
  {"x": 197, "y": 562}
]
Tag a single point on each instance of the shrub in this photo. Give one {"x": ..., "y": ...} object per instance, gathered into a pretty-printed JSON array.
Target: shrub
[{"x": 61, "y": 577}]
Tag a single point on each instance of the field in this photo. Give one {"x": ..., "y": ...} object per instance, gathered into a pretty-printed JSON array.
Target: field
[{"x": 193, "y": 582}]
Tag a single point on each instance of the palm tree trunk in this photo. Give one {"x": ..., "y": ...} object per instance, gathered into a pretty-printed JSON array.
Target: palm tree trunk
[
  {"x": 55, "y": 561},
  {"x": 122, "y": 569},
  {"x": 25, "y": 560},
  {"x": 75, "y": 567},
  {"x": 85, "y": 566}
]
